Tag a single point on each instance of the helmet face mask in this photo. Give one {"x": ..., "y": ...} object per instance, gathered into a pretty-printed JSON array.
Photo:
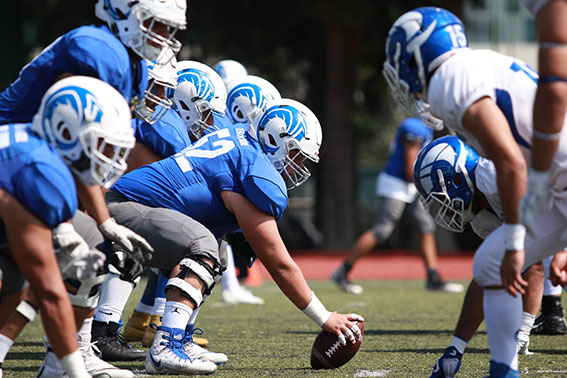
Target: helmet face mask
[
  {"x": 88, "y": 122},
  {"x": 290, "y": 134},
  {"x": 156, "y": 100},
  {"x": 418, "y": 43},
  {"x": 148, "y": 27},
  {"x": 199, "y": 95},
  {"x": 444, "y": 175}
]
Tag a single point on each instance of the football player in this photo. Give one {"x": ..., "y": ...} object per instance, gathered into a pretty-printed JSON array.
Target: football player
[
  {"x": 460, "y": 188},
  {"x": 230, "y": 69},
  {"x": 223, "y": 182},
  {"x": 487, "y": 98},
  {"x": 83, "y": 127},
  {"x": 396, "y": 194}
]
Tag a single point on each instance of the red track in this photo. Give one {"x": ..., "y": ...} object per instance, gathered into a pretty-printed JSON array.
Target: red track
[{"x": 383, "y": 265}]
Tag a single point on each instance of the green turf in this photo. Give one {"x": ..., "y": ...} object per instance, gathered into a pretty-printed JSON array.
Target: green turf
[{"x": 406, "y": 330}]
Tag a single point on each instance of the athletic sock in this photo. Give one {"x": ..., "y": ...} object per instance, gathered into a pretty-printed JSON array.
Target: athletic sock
[
  {"x": 503, "y": 317},
  {"x": 176, "y": 315},
  {"x": 113, "y": 299}
]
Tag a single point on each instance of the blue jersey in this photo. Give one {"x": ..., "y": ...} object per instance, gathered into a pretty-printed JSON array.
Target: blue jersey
[
  {"x": 33, "y": 172},
  {"x": 90, "y": 51},
  {"x": 166, "y": 137},
  {"x": 412, "y": 130},
  {"x": 222, "y": 121},
  {"x": 191, "y": 181}
]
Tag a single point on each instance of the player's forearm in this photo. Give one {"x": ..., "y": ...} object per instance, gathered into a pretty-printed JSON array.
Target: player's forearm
[
  {"x": 511, "y": 181},
  {"x": 291, "y": 281},
  {"x": 92, "y": 201}
]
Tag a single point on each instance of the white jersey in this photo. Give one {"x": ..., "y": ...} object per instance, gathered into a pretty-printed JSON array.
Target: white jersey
[
  {"x": 473, "y": 74},
  {"x": 486, "y": 220},
  {"x": 533, "y": 6}
]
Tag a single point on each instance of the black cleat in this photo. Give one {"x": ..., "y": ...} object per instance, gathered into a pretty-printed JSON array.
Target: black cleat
[
  {"x": 112, "y": 345},
  {"x": 549, "y": 325}
]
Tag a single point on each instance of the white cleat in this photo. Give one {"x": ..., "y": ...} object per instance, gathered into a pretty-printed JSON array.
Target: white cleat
[
  {"x": 524, "y": 343},
  {"x": 167, "y": 355},
  {"x": 340, "y": 278},
  {"x": 240, "y": 295}
]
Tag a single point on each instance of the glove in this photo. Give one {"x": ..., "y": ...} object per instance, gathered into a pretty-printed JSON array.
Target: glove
[
  {"x": 130, "y": 265},
  {"x": 240, "y": 246},
  {"x": 533, "y": 201},
  {"x": 126, "y": 238},
  {"x": 75, "y": 259}
]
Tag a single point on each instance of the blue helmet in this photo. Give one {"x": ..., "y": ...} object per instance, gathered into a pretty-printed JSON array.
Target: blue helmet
[
  {"x": 419, "y": 42},
  {"x": 444, "y": 174}
]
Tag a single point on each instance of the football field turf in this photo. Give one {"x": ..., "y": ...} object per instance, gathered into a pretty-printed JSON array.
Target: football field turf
[{"x": 406, "y": 330}]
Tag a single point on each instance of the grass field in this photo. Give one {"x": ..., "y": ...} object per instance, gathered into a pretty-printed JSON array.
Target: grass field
[{"x": 406, "y": 330}]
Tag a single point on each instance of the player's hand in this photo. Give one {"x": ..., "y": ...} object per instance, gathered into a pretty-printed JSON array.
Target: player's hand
[
  {"x": 511, "y": 272},
  {"x": 533, "y": 201},
  {"x": 75, "y": 258},
  {"x": 344, "y": 326},
  {"x": 558, "y": 269},
  {"x": 126, "y": 238}
]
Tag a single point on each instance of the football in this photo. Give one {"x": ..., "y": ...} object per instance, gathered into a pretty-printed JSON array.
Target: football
[{"x": 328, "y": 353}]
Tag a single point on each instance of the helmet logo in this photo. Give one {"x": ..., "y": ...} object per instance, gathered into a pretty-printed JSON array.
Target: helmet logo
[
  {"x": 204, "y": 87},
  {"x": 114, "y": 13},
  {"x": 421, "y": 38},
  {"x": 69, "y": 103},
  {"x": 438, "y": 153}
]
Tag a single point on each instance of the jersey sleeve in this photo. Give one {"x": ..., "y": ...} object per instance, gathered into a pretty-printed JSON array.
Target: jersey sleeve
[
  {"x": 47, "y": 192},
  {"x": 456, "y": 85},
  {"x": 164, "y": 138},
  {"x": 96, "y": 57},
  {"x": 266, "y": 195}
]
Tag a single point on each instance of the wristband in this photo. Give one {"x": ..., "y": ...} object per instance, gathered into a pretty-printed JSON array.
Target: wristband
[
  {"x": 546, "y": 136},
  {"x": 317, "y": 311},
  {"x": 514, "y": 235}
]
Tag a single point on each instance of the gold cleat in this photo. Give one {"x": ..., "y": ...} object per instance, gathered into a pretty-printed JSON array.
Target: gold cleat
[{"x": 136, "y": 326}]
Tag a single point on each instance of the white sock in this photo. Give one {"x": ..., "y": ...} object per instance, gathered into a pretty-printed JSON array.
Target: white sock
[
  {"x": 229, "y": 281},
  {"x": 5, "y": 344},
  {"x": 527, "y": 322},
  {"x": 176, "y": 315},
  {"x": 84, "y": 334},
  {"x": 459, "y": 344},
  {"x": 503, "y": 317},
  {"x": 159, "y": 306},
  {"x": 549, "y": 289},
  {"x": 74, "y": 366},
  {"x": 144, "y": 308},
  {"x": 114, "y": 296},
  {"x": 194, "y": 315}
]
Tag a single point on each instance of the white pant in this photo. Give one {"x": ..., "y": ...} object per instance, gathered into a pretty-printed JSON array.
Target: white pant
[{"x": 550, "y": 226}]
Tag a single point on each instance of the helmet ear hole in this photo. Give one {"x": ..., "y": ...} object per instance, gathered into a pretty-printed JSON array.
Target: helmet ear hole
[{"x": 457, "y": 180}]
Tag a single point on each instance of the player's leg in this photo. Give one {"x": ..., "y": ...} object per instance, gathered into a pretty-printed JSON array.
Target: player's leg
[
  {"x": 425, "y": 225},
  {"x": 140, "y": 318},
  {"x": 389, "y": 212},
  {"x": 502, "y": 311},
  {"x": 551, "y": 321},
  {"x": 187, "y": 249},
  {"x": 232, "y": 291},
  {"x": 157, "y": 310},
  {"x": 531, "y": 301}
]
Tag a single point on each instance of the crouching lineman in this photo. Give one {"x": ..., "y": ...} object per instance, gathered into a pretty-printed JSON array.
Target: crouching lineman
[
  {"x": 225, "y": 181},
  {"x": 38, "y": 194}
]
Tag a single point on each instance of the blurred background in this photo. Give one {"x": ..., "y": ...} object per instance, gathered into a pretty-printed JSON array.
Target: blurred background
[{"x": 327, "y": 54}]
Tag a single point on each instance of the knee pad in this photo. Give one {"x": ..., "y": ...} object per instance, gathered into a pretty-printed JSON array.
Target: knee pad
[
  {"x": 27, "y": 310},
  {"x": 87, "y": 290},
  {"x": 195, "y": 264}
]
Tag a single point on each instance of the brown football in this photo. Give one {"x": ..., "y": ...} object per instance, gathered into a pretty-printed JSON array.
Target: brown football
[{"x": 328, "y": 353}]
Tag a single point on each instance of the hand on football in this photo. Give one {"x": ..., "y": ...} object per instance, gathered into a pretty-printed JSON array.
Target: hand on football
[{"x": 344, "y": 326}]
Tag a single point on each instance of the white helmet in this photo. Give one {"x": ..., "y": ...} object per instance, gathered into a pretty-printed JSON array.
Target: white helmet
[
  {"x": 248, "y": 97},
  {"x": 135, "y": 23},
  {"x": 156, "y": 100},
  {"x": 82, "y": 117},
  {"x": 229, "y": 70},
  {"x": 289, "y": 133},
  {"x": 200, "y": 92}
]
